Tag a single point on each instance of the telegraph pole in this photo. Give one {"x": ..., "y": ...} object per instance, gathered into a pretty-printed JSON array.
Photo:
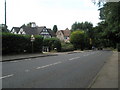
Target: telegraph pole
[{"x": 5, "y": 16}]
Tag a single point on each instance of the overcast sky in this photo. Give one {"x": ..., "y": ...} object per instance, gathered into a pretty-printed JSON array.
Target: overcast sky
[{"x": 62, "y": 13}]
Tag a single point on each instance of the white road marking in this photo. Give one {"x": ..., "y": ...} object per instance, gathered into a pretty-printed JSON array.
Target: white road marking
[
  {"x": 48, "y": 65},
  {"x": 57, "y": 63},
  {"x": 7, "y": 76},
  {"x": 74, "y": 58}
]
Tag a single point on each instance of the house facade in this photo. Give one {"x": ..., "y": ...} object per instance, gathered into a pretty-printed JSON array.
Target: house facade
[
  {"x": 34, "y": 30},
  {"x": 63, "y": 35},
  {"x": 15, "y": 30}
]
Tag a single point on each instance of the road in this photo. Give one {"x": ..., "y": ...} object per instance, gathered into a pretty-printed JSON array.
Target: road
[{"x": 75, "y": 70}]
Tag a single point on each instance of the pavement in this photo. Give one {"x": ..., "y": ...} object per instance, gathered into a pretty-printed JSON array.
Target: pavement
[
  {"x": 35, "y": 55},
  {"x": 108, "y": 75}
]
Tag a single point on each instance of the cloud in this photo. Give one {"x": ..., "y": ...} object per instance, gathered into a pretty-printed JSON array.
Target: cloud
[{"x": 50, "y": 12}]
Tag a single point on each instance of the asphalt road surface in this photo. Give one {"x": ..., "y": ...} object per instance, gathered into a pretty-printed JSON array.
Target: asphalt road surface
[{"x": 75, "y": 70}]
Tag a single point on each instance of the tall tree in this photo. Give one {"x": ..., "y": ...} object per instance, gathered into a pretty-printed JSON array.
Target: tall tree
[
  {"x": 110, "y": 14},
  {"x": 82, "y": 26},
  {"x": 55, "y": 29}
]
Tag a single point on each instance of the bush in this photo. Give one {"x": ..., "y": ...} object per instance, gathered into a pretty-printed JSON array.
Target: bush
[
  {"x": 12, "y": 43},
  {"x": 77, "y": 39},
  {"x": 52, "y": 43},
  {"x": 67, "y": 47}
]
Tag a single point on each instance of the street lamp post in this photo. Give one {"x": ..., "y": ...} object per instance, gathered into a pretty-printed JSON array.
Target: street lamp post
[{"x": 32, "y": 40}]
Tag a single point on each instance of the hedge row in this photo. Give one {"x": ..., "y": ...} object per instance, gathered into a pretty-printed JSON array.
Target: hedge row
[
  {"x": 52, "y": 43},
  {"x": 67, "y": 47},
  {"x": 12, "y": 43}
]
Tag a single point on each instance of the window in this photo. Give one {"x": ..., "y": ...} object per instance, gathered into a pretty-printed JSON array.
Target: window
[
  {"x": 65, "y": 37},
  {"x": 44, "y": 30}
]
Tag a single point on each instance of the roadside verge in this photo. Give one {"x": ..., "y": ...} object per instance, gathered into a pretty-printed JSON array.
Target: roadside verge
[{"x": 108, "y": 75}]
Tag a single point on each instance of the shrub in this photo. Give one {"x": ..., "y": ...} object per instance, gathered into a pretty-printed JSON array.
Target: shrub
[
  {"x": 52, "y": 43},
  {"x": 67, "y": 47},
  {"x": 12, "y": 43},
  {"x": 77, "y": 39}
]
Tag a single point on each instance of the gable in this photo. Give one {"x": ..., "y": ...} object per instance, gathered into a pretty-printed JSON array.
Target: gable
[
  {"x": 15, "y": 30},
  {"x": 60, "y": 33},
  {"x": 21, "y": 31},
  {"x": 45, "y": 32}
]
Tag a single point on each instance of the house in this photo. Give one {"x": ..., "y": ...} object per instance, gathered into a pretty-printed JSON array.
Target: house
[
  {"x": 33, "y": 30},
  {"x": 15, "y": 30},
  {"x": 63, "y": 35}
]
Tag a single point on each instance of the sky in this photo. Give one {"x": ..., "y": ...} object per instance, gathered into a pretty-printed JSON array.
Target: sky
[{"x": 62, "y": 13}]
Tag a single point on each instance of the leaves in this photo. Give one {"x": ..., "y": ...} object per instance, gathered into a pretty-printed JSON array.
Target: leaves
[{"x": 55, "y": 29}]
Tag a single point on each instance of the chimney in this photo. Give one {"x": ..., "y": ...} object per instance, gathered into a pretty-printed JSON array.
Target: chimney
[{"x": 33, "y": 24}]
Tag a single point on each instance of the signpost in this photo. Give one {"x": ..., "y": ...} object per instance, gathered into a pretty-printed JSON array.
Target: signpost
[{"x": 32, "y": 40}]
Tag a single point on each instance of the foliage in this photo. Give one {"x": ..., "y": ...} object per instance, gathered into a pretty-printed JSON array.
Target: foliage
[
  {"x": 55, "y": 29},
  {"x": 77, "y": 39},
  {"x": 3, "y": 28},
  {"x": 82, "y": 26},
  {"x": 110, "y": 14},
  {"x": 67, "y": 47},
  {"x": 52, "y": 43},
  {"x": 107, "y": 31},
  {"x": 19, "y": 43}
]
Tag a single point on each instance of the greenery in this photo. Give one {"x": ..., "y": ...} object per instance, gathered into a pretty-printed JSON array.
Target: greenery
[
  {"x": 3, "y": 28},
  {"x": 67, "y": 47},
  {"x": 105, "y": 35},
  {"x": 55, "y": 29},
  {"x": 77, "y": 39},
  {"x": 12, "y": 43},
  {"x": 87, "y": 27},
  {"x": 52, "y": 43},
  {"x": 107, "y": 31}
]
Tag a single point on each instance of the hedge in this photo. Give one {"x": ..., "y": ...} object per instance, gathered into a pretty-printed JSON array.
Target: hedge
[
  {"x": 12, "y": 43},
  {"x": 52, "y": 43},
  {"x": 67, "y": 47}
]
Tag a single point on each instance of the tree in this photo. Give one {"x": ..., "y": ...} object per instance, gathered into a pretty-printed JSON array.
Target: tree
[
  {"x": 109, "y": 13},
  {"x": 3, "y": 28},
  {"x": 87, "y": 27},
  {"x": 55, "y": 29},
  {"x": 82, "y": 26},
  {"x": 77, "y": 39},
  {"x": 75, "y": 26}
]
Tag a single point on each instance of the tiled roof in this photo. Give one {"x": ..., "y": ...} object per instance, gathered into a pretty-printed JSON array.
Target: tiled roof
[
  {"x": 51, "y": 33},
  {"x": 30, "y": 30},
  {"x": 36, "y": 30},
  {"x": 66, "y": 32}
]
